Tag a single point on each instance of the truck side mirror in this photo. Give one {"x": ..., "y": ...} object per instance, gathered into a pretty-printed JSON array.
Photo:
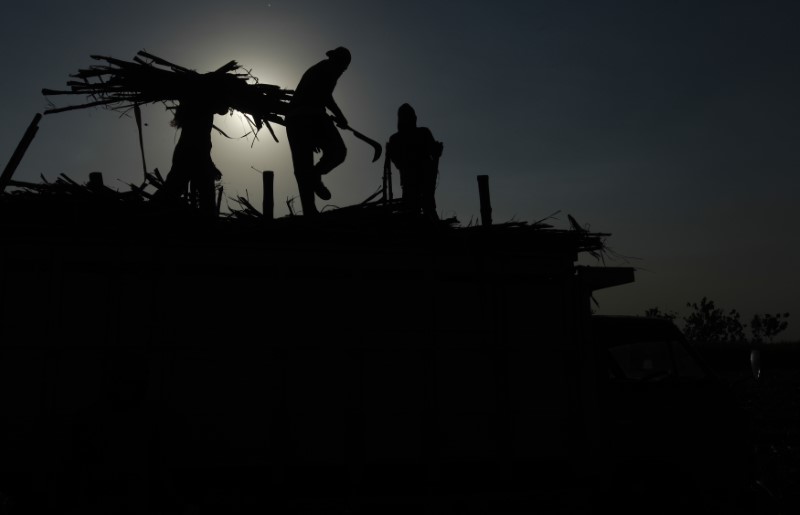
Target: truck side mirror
[{"x": 755, "y": 365}]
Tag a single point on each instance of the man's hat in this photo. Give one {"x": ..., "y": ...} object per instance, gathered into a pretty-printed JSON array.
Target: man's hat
[{"x": 340, "y": 54}]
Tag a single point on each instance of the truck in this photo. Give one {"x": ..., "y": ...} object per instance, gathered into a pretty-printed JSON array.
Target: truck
[
  {"x": 672, "y": 424},
  {"x": 349, "y": 365}
]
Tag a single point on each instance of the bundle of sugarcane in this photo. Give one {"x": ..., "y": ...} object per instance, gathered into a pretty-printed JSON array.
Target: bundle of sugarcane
[{"x": 124, "y": 85}]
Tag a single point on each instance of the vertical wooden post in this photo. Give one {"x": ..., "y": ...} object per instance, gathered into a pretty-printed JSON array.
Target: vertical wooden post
[
  {"x": 137, "y": 111},
  {"x": 268, "y": 207},
  {"x": 486, "y": 205},
  {"x": 11, "y": 167},
  {"x": 387, "y": 176}
]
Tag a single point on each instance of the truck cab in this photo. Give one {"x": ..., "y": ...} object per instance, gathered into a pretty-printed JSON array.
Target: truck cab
[{"x": 673, "y": 432}]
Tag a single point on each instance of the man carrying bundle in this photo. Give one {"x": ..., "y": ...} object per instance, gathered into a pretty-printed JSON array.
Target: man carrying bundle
[{"x": 192, "y": 166}]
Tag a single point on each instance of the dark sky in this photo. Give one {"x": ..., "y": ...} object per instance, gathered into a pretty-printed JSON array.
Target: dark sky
[{"x": 672, "y": 125}]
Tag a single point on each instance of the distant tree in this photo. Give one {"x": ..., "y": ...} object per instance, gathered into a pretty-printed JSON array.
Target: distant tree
[
  {"x": 710, "y": 324},
  {"x": 768, "y": 326},
  {"x": 655, "y": 312}
]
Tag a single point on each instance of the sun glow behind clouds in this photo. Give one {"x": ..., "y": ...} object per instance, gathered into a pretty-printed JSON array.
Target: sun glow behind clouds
[
  {"x": 243, "y": 154},
  {"x": 275, "y": 44}
]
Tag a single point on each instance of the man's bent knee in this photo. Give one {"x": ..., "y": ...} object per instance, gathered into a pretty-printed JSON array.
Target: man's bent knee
[{"x": 331, "y": 158}]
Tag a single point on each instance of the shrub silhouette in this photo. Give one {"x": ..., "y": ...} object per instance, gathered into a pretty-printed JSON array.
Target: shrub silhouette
[{"x": 708, "y": 323}]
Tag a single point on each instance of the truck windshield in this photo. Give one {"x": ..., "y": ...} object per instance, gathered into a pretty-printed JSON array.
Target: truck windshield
[{"x": 650, "y": 360}]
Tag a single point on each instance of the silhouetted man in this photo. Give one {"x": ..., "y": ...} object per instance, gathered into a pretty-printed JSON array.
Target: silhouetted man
[
  {"x": 415, "y": 153},
  {"x": 310, "y": 128},
  {"x": 191, "y": 160}
]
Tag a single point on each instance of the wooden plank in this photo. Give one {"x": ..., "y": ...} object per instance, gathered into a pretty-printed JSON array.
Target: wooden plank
[{"x": 13, "y": 163}]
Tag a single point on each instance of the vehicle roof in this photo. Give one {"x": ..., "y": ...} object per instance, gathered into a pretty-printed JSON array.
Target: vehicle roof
[{"x": 622, "y": 329}]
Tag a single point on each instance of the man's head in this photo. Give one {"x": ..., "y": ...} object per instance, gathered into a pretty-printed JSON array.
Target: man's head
[
  {"x": 406, "y": 117},
  {"x": 340, "y": 56}
]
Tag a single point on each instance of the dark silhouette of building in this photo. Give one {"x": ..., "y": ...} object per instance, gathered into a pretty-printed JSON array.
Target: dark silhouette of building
[{"x": 440, "y": 370}]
